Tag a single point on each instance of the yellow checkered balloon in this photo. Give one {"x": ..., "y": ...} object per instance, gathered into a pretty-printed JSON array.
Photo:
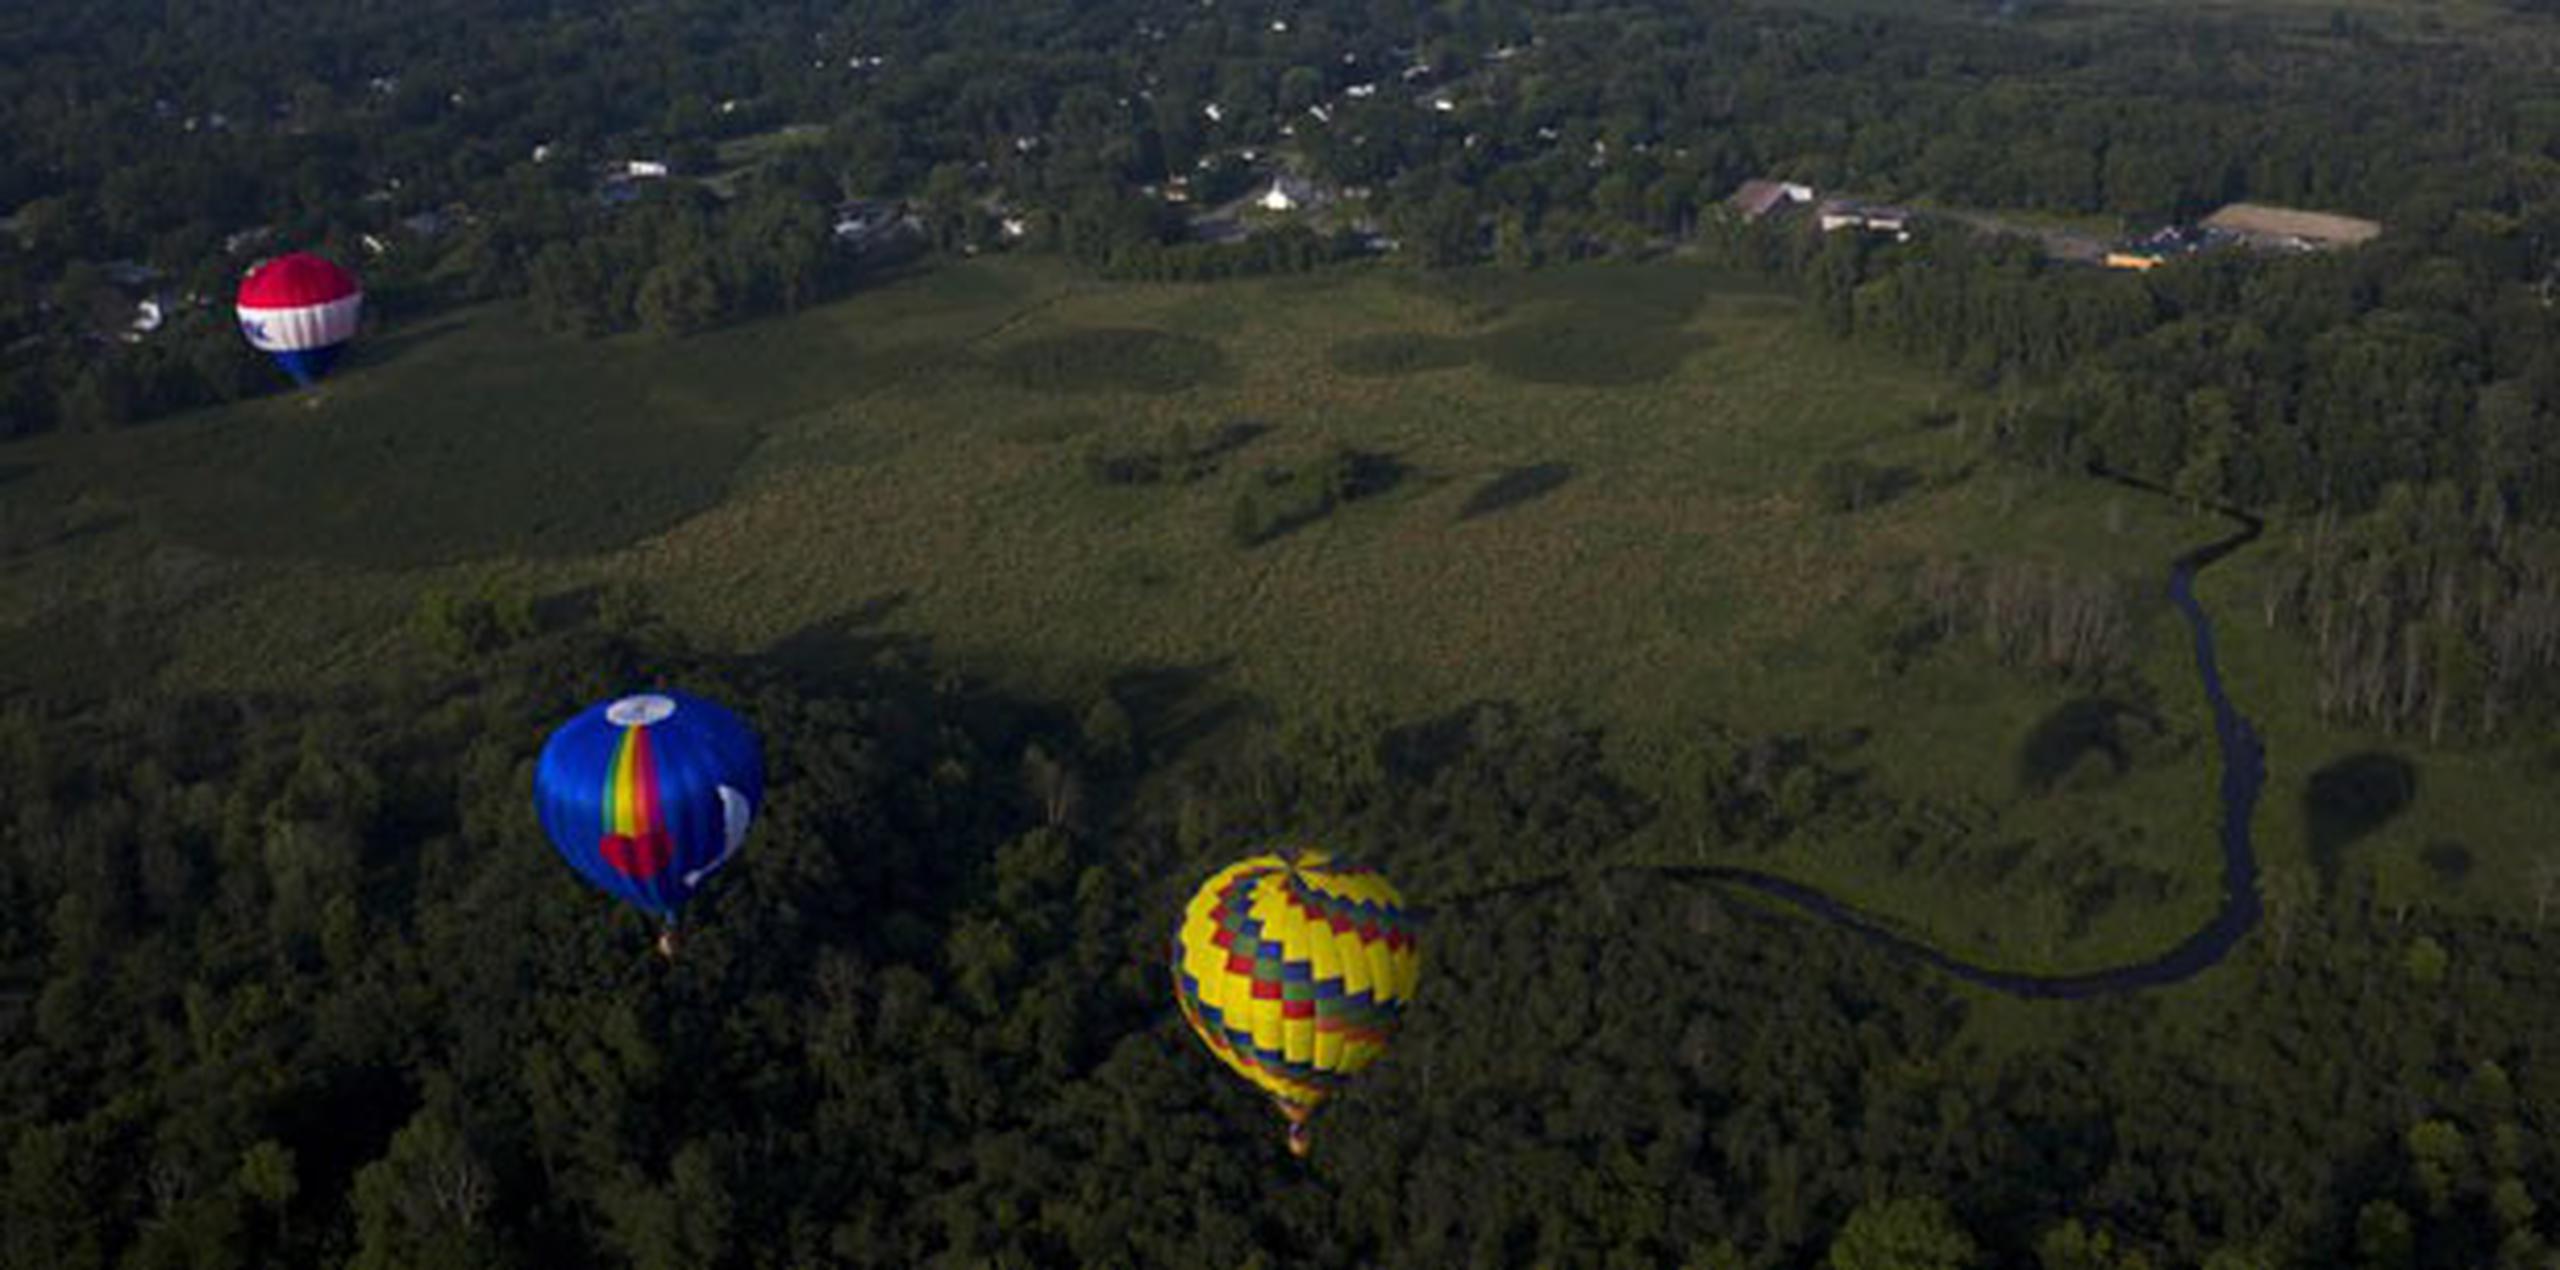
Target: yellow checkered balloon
[{"x": 1295, "y": 970}]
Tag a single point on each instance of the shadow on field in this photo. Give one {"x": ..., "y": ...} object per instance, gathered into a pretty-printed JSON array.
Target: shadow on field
[
  {"x": 2065, "y": 748},
  {"x": 400, "y": 342},
  {"x": 1299, "y": 497},
  {"x": 82, "y": 654},
  {"x": 1516, "y": 486},
  {"x": 1110, "y": 359},
  {"x": 1396, "y": 354},
  {"x": 843, "y": 646},
  {"x": 1049, "y": 429},
  {"x": 93, "y": 527},
  {"x": 1231, "y": 436},
  {"x": 2447, "y": 862},
  {"x": 1579, "y": 351},
  {"x": 1172, "y": 708},
  {"x": 562, "y": 610},
  {"x": 2348, "y": 800}
]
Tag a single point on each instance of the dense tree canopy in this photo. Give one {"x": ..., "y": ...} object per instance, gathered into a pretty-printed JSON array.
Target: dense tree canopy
[
  {"x": 293, "y": 981},
  {"x": 301, "y": 985}
]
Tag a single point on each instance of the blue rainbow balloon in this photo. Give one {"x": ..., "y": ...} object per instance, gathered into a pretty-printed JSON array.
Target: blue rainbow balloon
[{"x": 648, "y": 795}]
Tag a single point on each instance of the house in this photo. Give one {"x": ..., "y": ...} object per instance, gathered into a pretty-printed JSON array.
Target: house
[
  {"x": 542, "y": 153},
  {"x": 645, "y": 170},
  {"x": 1213, "y": 112},
  {"x": 424, "y": 224},
  {"x": 859, "y": 220},
  {"x": 1759, "y": 198},
  {"x": 148, "y": 314},
  {"x": 1360, "y": 91},
  {"x": 1014, "y": 228},
  {"x": 1840, "y": 213},
  {"x": 130, "y": 274},
  {"x": 2288, "y": 229},
  {"x": 2154, "y": 249},
  {"x": 373, "y": 246},
  {"x": 1286, "y": 193}
]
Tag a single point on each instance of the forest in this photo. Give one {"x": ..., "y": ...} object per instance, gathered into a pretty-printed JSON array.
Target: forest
[
  {"x": 304, "y": 987},
  {"x": 291, "y": 979}
]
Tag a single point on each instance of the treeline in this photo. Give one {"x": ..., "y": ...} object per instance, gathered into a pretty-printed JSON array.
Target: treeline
[
  {"x": 1288, "y": 249},
  {"x": 2034, "y": 615},
  {"x": 2424, "y": 618},
  {"x": 680, "y": 261},
  {"x": 127, "y": 134},
  {"x": 302, "y": 985},
  {"x": 2401, "y": 400}
]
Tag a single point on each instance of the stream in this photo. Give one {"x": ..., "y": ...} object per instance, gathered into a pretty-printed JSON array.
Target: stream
[{"x": 2244, "y": 770}]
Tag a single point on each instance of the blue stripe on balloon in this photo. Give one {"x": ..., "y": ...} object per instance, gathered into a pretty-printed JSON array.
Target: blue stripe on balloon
[
  {"x": 307, "y": 365},
  {"x": 696, "y": 750}
]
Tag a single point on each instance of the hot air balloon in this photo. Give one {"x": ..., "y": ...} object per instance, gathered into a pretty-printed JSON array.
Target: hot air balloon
[
  {"x": 300, "y": 309},
  {"x": 648, "y": 795},
  {"x": 1295, "y": 970}
]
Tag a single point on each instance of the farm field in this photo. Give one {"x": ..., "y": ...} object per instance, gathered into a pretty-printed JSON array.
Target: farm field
[{"x": 1585, "y": 491}]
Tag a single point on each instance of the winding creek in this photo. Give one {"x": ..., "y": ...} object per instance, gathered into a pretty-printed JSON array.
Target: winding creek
[{"x": 2244, "y": 771}]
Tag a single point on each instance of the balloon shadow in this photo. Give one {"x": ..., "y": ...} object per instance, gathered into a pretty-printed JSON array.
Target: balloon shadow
[
  {"x": 2348, "y": 800},
  {"x": 1173, "y": 708},
  {"x": 2065, "y": 742},
  {"x": 399, "y": 342},
  {"x": 1515, "y": 486},
  {"x": 846, "y": 646}
]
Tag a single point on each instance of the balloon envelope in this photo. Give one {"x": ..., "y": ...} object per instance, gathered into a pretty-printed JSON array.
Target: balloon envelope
[
  {"x": 1295, "y": 972},
  {"x": 301, "y": 310},
  {"x": 648, "y": 795}
]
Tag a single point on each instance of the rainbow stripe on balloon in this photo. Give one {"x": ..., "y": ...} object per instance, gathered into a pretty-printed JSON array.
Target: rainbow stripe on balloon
[
  {"x": 1296, "y": 971},
  {"x": 648, "y": 795}
]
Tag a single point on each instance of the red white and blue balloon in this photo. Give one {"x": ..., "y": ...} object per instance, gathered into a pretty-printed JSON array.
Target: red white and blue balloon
[{"x": 301, "y": 310}]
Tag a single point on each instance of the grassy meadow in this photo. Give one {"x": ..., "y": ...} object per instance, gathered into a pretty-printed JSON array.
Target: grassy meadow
[{"x": 1587, "y": 492}]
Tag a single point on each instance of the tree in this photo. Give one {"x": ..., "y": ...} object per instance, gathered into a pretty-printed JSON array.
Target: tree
[
  {"x": 425, "y": 1204},
  {"x": 2288, "y": 891},
  {"x": 2384, "y": 1238},
  {"x": 1902, "y": 1234},
  {"x": 267, "y": 1176},
  {"x": 2072, "y": 1246},
  {"x": 680, "y": 296}
]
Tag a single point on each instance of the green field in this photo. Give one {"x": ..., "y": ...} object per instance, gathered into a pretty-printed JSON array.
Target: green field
[{"x": 1590, "y": 497}]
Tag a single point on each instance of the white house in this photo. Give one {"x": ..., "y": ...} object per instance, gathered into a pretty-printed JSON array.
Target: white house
[
  {"x": 1212, "y": 111},
  {"x": 1837, "y": 214},
  {"x": 147, "y": 317},
  {"x": 638, "y": 169},
  {"x": 1361, "y": 90},
  {"x": 1285, "y": 194}
]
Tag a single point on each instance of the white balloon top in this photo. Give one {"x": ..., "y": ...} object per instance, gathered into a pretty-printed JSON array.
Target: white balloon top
[{"x": 639, "y": 711}]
